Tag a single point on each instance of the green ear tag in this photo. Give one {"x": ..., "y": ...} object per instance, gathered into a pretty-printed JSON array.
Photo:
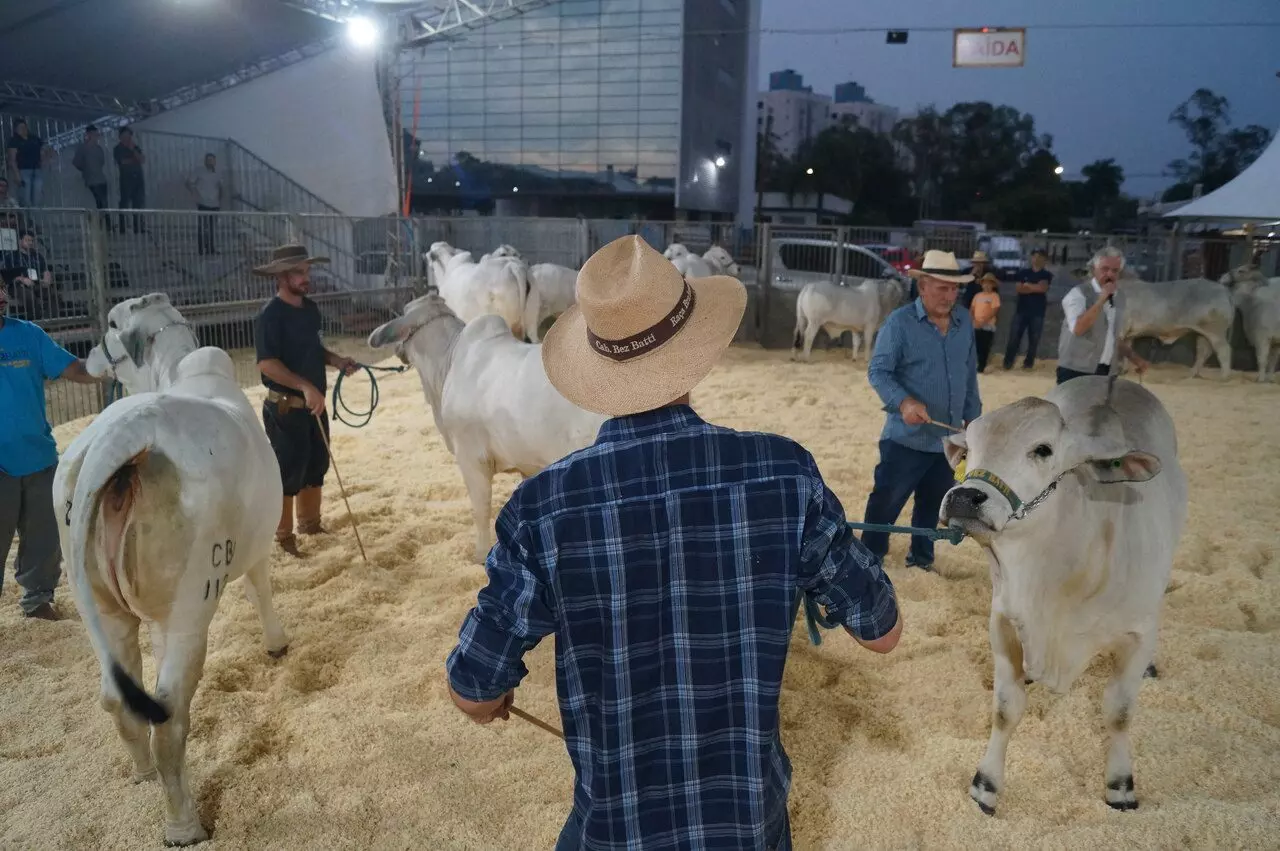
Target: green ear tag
[{"x": 1115, "y": 464}]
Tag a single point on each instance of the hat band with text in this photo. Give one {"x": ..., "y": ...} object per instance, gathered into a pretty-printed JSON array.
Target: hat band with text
[
  {"x": 941, "y": 272},
  {"x": 650, "y": 338}
]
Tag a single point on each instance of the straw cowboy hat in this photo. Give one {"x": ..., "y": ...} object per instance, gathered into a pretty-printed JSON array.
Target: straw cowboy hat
[
  {"x": 980, "y": 257},
  {"x": 640, "y": 334},
  {"x": 941, "y": 265},
  {"x": 990, "y": 276},
  {"x": 287, "y": 257}
]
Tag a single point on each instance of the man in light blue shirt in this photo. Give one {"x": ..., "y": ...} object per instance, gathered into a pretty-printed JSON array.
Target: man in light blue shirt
[
  {"x": 29, "y": 457},
  {"x": 925, "y": 370}
]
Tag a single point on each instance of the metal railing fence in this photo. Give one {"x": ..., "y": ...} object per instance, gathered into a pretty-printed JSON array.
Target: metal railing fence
[{"x": 204, "y": 261}]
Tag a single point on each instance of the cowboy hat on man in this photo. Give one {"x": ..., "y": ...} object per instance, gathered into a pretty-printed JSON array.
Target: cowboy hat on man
[
  {"x": 286, "y": 258},
  {"x": 980, "y": 261},
  {"x": 669, "y": 548}
]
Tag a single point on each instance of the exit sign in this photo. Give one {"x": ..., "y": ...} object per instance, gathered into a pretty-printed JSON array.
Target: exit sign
[{"x": 989, "y": 47}]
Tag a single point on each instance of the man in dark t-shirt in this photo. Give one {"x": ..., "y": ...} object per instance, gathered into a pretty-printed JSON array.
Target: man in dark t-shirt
[
  {"x": 1028, "y": 317},
  {"x": 133, "y": 193},
  {"x": 26, "y": 155},
  {"x": 292, "y": 359}
]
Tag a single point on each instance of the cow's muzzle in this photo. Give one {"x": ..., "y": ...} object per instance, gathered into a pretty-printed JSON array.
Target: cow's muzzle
[{"x": 964, "y": 504}]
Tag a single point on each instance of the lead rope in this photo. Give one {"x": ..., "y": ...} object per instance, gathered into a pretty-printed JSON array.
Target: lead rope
[{"x": 340, "y": 407}]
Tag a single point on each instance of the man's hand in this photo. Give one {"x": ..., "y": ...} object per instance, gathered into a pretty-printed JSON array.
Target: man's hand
[
  {"x": 489, "y": 710},
  {"x": 313, "y": 398},
  {"x": 347, "y": 366},
  {"x": 1140, "y": 364},
  {"x": 1108, "y": 288},
  {"x": 24, "y": 280},
  {"x": 913, "y": 412}
]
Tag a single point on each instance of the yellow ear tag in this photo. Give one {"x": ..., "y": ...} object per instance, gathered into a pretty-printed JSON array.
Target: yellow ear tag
[{"x": 960, "y": 471}]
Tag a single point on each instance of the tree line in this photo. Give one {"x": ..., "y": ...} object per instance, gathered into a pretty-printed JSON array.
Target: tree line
[{"x": 981, "y": 162}]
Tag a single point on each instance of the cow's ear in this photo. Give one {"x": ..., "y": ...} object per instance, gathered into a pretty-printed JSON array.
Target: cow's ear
[
  {"x": 392, "y": 332},
  {"x": 1133, "y": 466},
  {"x": 135, "y": 344},
  {"x": 1111, "y": 462},
  {"x": 955, "y": 448}
]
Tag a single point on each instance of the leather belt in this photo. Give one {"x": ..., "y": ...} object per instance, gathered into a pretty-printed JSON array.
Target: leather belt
[{"x": 285, "y": 401}]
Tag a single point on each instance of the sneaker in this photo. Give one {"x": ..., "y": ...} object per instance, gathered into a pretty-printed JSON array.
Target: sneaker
[
  {"x": 913, "y": 561},
  {"x": 44, "y": 612}
]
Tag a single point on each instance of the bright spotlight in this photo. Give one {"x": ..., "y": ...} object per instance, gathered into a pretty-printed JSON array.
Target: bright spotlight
[
  {"x": 1059, "y": 170},
  {"x": 808, "y": 170},
  {"x": 515, "y": 188},
  {"x": 720, "y": 162},
  {"x": 457, "y": 183},
  {"x": 362, "y": 31}
]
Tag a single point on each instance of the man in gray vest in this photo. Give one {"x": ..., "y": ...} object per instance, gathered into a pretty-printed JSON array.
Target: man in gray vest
[{"x": 1093, "y": 316}]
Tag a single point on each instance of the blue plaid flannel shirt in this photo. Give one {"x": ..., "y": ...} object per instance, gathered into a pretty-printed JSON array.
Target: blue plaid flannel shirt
[{"x": 666, "y": 559}]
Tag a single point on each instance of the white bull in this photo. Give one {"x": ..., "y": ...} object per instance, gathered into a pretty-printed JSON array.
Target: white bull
[
  {"x": 1169, "y": 310},
  {"x": 715, "y": 261},
  {"x": 1086, "y": 572},
  {"x": 1258, "y": 301},
  {"x": 835, "y": 309},
  {"x": 493, "y": 405},
  {"x": 170, "y": 494},
  {"x": 496, "y": 285},
  {"x": 552, "y": 290}
]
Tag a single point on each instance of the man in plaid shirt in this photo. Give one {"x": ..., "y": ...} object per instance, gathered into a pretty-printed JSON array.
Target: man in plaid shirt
[{"x": 666, "y": 559}]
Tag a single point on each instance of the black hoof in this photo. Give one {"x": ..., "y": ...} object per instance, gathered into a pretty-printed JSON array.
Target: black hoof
[
  {"x": 1151, "y": 672},
  {"x": 278, "y": 654},
  {"x": 1123, "y": 806},
  {"x": 1028, "y": 681},
  {"x": 982, "y": 788}
]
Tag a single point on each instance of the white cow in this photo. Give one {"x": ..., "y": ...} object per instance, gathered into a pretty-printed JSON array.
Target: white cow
[
  {"x": 170, "y": 494},
  {"x": 552, "y": 289},
  {"x": 1085, "y": 572},
  {"x": 489, "y": 394},
  {"x": 497, "y": 285},
  {"x": 716, "y": 261},
  {"x": 1169, "y": 310},
  {"x": 1258, "y": 301},
  {"x": 835, "y": 308}
]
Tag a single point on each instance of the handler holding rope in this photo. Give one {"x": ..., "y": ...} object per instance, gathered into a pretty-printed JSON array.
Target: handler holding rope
[
  {"x": 292, "y": 360},
  {"x": 666, "y": 559},
  {"x": 925, "y": 370}
]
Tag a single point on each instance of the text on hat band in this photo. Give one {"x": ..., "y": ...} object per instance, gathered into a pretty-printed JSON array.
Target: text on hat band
[{"x": 650, "y": 338}]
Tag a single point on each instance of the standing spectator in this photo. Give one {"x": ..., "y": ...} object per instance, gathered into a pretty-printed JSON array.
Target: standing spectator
[
  {"x": 924, "y": 367},
  {"x": 667, "y": 560},
  {"x": 30, "y": 281},
  {"x": 26, "y": 156},
  {"x": 133, "y": 193},
  {"x": 1030, "y": 308},
  {"x": 1087, "y": 346},
  {"x": 29, "y": 456},
  {"x": 206, "y": 185},
  {"x": 984, "y": 311},
  {"x": 980, "y": 262},
  {"x": 91, "y": 161}
]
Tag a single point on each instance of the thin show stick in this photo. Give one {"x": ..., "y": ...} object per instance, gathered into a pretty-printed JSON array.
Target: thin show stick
[
  {"x": 520, "y": 713},
  {"x": 334, "y": 463}
]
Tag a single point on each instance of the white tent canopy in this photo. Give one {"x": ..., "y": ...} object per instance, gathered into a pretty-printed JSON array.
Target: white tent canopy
[{"x": 1252, "y": 195}]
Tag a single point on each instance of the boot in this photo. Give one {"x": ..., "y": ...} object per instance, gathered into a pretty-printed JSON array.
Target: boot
[
  {"x": 309, "y": 512},
  {"x": 284, "y": 529}
]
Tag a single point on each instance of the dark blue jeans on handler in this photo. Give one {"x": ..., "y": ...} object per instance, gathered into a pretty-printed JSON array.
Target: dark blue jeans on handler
[
  {"x": 901, "y": 473},
  {"x": 1031, "y": 325}
]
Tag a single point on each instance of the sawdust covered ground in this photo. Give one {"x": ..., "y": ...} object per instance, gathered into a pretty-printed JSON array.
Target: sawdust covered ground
[{"x": 350, "y": 741}]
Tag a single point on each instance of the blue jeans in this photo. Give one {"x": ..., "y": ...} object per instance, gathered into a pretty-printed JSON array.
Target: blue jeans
[
  {"x": 1031, "y": 325},
  {"x": 901, "y": 473},
  {"x": 32, "y": 188}
]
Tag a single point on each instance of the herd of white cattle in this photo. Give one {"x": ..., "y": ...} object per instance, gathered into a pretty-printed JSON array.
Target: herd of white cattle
[{"x": 172, "y": 492}]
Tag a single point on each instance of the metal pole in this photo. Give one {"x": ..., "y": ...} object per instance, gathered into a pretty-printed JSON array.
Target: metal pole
[{"x": 99, "y": 304}]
